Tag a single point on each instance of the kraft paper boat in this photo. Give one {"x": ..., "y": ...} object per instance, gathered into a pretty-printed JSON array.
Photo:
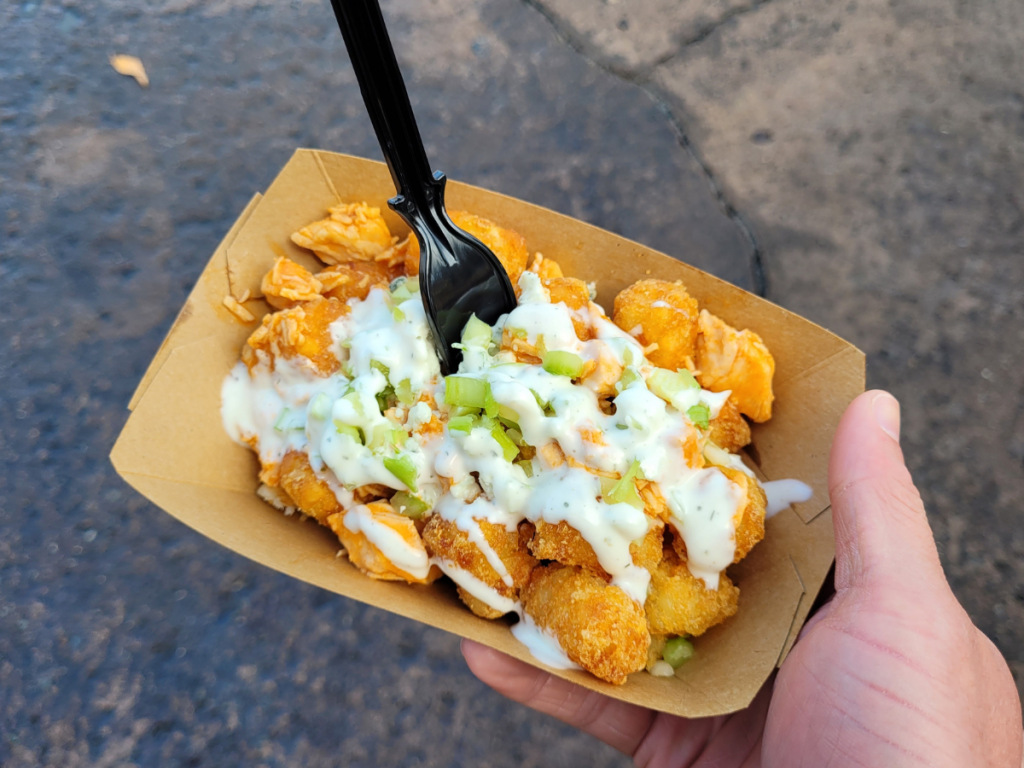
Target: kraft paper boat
[{"x": 174, "y": 451}]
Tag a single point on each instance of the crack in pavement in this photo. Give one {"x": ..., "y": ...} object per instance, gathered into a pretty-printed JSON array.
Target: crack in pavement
[{"x": 641, "y": 79}]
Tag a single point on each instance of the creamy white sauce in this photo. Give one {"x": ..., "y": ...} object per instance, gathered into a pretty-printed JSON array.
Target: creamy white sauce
[
  {"x": 412, "y": 560},
  {"x": 482, "y": 592},
  {"x": 541, "y": 644},
  {"x": 782, "y": 493},
  {"x": 287, "y": 406}
]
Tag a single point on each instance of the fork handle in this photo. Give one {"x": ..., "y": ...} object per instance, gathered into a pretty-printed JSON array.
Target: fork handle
[{"x": 387, "y": 101}]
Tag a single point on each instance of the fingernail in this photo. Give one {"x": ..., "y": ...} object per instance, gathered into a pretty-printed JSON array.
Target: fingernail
[{"x": 887, "y": 414}]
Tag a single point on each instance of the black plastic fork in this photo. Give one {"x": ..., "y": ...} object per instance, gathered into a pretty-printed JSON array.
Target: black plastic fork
[{"x": 459, "y": 275}]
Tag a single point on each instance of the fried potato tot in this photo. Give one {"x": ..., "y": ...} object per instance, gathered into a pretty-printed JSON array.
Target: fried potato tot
[
  {"x": 678, "y": 603},
  {"x": 302, "y": 331},
  {"x": 311, "y": 495},
  {"x": 662, "y": 313},
  {"x": 598, "y": 626},
  {"x": 738, "y": 361},
  {"x": 574, "y": 293},
  {"x": 749, "y": 518},
  {"x": 445, "y": 540},
  {"x": 288, "y": 283},
  {"x": 508, "y": 245},
  {"x": 352, "y": 232},
  {"x": 546, "y": 269},
  {"x": 564, "y": 544},
  {"x": 354, "y": 279},
  {"x": 729, "y": 430},
  {"x": 368, "y": 558}
]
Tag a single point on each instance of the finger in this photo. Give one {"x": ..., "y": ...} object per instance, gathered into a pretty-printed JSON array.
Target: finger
[
  {"x": 882, "y": 533},
  {"x": 616, "y": 723}
]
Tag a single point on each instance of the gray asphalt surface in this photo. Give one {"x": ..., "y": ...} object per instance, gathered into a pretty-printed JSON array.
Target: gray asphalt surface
[{"x": 128, "y": 640}]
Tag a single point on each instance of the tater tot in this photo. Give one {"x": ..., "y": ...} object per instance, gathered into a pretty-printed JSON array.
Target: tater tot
[
  {"x": 288, "y": 283},
  {"x": 748, "y": 520},
  {"x": 662, "y": 313},
  {"x": 598, "y": 626},
  {"x": 445, "y": 540},
  {"x": 678, "y": 603},
  {"x": 729, "y": 430},
  {"x": 574, "y": 294},
  {"x": 352, "y": 232},
  {"x": 311, "y": 495},
  {"x": 368, "y": 558},
  {"x": 546, "y": 269},
  {"x": 738, "y": 361},
  {"x": 564, "y": 544},
  {"x": 354, "y": 279},
  {"x": 302, "y": 331},
  {"x": 508, "y": 245}
]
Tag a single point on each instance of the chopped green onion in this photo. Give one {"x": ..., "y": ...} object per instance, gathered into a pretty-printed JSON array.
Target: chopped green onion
[
  {"x": 508, "y": 448},
  {"x": 404, "y": 393},
  {"x": 677, "y": 652},
  {"x": 465, "y": 391},
  {"x": 401, "y": 466},
  {"x": 476, "y": 332},
  {"x": 320, "y": 407},
  {"x": 629, "y": 375},
  {"x": 666, "y": 384},
  {"x": 527, "y": 466},
  {"x": 624, "y": 491},
  {"x": 409, "y": 505},
  {"x": 700, "y": 415},
  {"x": 461, "y": 424},
  {"x": 348, "y": 429},
  {"x": 562, "y": 363}
]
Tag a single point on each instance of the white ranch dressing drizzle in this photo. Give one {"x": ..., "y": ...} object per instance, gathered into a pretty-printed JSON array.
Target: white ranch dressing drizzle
[
  {"x": 482, "y": 592},
  {"x": 414, "y": 561},
  {"x": 541, "y": 644},
  {"x": 782, "y": 493}
]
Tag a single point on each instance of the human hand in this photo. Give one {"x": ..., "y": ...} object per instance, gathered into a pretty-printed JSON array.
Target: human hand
[{"x": 890, "y": 672}]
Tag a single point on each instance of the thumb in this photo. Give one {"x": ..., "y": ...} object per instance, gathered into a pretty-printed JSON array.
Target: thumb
[{"x": 882, "y": 534}]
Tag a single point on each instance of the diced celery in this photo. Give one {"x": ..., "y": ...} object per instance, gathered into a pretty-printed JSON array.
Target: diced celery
[
  {"x": 345, "y": 343},
  {"x": 398, "y": 281},
  {"x": 461, "y": 424},
  {"x": 380, "y": 367},
  {"x": 515, "y": 435},
  {"x": 678, "y": 651},
  {"x": 506, "y": 413},
  {"x": 508, "y": 448},
  {"x": 385, "y": 435},
  {"x": 627, "y": 356},
  {"x": 624, "y": 491},
  {"x": 544, "y": 405},
  {"x": 279, "y": 425},
  {"x": 700, "y": 415},
  {"x": 668, "y": 384},
  {"x": 490, "y": 404},
  {"x": 519, "y": 333},
  {"x": 476, "y": 332},
  {"x": 357, "y": 403},
  {"x": 348, "y": 429},
  {"x": 402, "y": 467},
  {"x": 404, "y": 393},
  {"x": 409, "y": 505},
  {"x": 465, "y": 391},
  {"x": 629, "y": 375},
  {"x": 413, "y": 284},
  {"x": 320, "y": 406},
  {"x": 400, "y": 294},
  {"x": 527, "y": 465},
  {"x": 561, "y": 363},
  {"x": 607, "y": 483},
  {"x": 397, "y": 314},
  {"x": 460, "y": 410}
]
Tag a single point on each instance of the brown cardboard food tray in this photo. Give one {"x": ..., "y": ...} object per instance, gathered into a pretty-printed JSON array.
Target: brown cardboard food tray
[{"x": 174, "y": 451}]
